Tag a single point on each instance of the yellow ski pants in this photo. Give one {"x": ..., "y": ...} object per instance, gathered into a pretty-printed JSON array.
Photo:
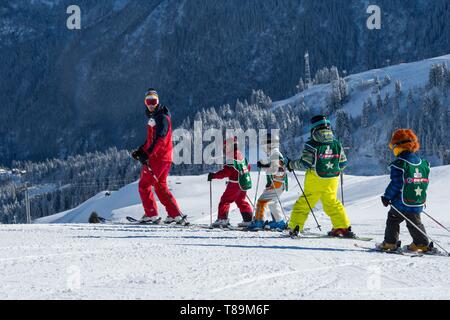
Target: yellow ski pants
[{"x": 316, "y": 189}]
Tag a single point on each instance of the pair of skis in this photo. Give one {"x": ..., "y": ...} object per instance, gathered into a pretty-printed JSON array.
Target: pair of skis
[
  {"x": 325, "y": 236},
  {"x": 296, "y": 234},
  {"x": 404, "y": 251}
]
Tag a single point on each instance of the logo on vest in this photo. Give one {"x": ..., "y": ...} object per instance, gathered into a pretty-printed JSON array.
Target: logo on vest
[
  {"x": 152, "y": 122},
  {"x": 417, "y": 174},
  {"x": 328, "y": 154},
  {"x": 418, "y": 178}
]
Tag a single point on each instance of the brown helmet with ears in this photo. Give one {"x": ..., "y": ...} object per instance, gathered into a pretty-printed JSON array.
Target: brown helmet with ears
[{"x": 405, "y": 139}]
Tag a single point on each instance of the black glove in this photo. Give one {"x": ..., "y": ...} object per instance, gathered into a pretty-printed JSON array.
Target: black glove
[
  {"x": 262, "y": 165},
  {"x": 135, "y": 154},
  {"x": 140, "y": 156},
  {"x": 210, "y": 176},
  {"x": 386, "y": 201}
]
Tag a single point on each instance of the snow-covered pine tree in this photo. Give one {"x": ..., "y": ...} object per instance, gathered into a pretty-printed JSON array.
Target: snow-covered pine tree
[
  {"x": 334, "y": 74},
  {"x": 377, "y": 86},
  {"x": 308, "y": 80},
  {"x": 396, "y": 106},
  {"x": 260, "y": 99},
  {"x": 335, "y": 98},
  {"x": 322, "y": 76},
  {"x": 365, "y": 116},
  {"x": 410, "y": 107},
  {"x": 379, "y": 104},
  {"x": 386, "y": 102},
  {"x": 436, "y": 75},
  {"x": 398, "y": 88},
  {"x": 447, "y": 77},
  {"x": 300, "y": 86},
  {"x": 343, "y": 128},
  {"x": 343, "y": 88}
]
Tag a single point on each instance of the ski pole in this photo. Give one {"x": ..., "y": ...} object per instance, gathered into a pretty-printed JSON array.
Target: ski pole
[
  {"x": 250, "y": 200},
  {"x": 257, "y": 185},
  {"x": 342, "y": 187},
  {"x": 307, "y": 201},
  {"x": 165, "y": 194},
  {"x": 210, "y": 204},
  {"x": 440, "y": 224},
  {"x": 418, "y": 229}
]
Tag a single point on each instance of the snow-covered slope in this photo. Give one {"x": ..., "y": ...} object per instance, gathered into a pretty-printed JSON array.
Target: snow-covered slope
[{"x": 61, "y": 260}]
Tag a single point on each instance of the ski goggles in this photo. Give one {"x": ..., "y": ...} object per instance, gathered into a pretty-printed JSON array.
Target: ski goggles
[
  {"x": 151, "y": 101},
  {"x": 322, "y": 124},
  {"x": 392, "y": 146}
]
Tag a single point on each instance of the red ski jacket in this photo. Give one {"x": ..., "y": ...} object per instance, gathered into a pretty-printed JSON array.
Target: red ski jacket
[{"x": 159, "y": 144}]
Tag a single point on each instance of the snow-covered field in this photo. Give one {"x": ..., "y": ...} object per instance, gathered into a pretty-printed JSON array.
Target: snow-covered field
[{"x": 62, "y": 257}]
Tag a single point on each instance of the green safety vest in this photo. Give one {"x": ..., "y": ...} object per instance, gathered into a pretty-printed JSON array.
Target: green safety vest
[
  {"x": 415, "y": 181},
  {"x": 328, "y": 157},
  {"x": 244, "y": 180}
]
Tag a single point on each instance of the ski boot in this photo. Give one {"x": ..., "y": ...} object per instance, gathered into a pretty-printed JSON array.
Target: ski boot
[
  {"x": 342, "y": 233},
  {"x": 256, "y": 225},
  {"x": 221, "y": 223},
  {"x": 244, "y": 224},
  {"x": 293, "y": 233},
  {"x": 389, "y": 247},
  {"x": 179, "y": 220},
  {"x": 277, "y": 226},
  {"x": 420, "y": 248},
  {"x": 150, "y": 220},
  {"x": 247, "y": 218},
  {"x": 182, "y": 220}
]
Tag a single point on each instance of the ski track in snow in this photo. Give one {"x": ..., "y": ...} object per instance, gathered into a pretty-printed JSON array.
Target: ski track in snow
[{"x": 119, "y": 261}]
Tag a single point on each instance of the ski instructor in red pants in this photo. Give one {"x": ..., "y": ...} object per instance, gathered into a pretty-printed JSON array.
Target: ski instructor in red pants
[{"x": 156, "y": 156}]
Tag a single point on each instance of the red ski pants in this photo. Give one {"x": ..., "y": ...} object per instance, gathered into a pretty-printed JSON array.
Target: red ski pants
[
  {"x": 147, "y": 183},
  {"x": 233, "y": 193}
]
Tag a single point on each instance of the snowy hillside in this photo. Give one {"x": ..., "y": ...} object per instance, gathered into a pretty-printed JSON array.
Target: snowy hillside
[
  {"x": 411, "y": 75},
  {"x": 379, "y": 101},
  {"x": 62, "y": 260}
]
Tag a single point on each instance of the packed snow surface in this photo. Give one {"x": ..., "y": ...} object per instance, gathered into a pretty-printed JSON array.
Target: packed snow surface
[{"x": 62, "y": 257}]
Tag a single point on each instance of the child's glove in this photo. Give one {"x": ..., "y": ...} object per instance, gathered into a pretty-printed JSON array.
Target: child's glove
[
  {"x": 210, "y": 176},
  {"x": 386, "y": 201},
  {"x": 262, "y": 165}
]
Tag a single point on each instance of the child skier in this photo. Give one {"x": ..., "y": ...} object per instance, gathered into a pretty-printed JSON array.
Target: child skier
[
  {"x": 406, "y": 193},
  {"x": 277, "y": 183},
  {"x": 237, "y": 170},
  {"x": 324, "y": 159}
]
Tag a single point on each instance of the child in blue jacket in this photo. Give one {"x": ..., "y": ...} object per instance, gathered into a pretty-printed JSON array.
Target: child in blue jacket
[{"x": 407, "y": 192}]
